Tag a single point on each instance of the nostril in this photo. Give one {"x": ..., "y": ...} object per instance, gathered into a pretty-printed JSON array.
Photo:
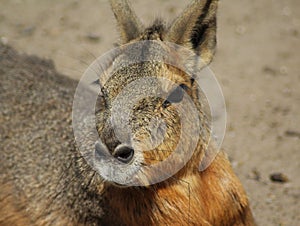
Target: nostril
[
  {"x": 101, "y": 150},
  {"x": 123, "y": 153}
]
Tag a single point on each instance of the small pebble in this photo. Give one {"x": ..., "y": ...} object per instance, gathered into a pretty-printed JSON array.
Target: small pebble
[
  {"x": 279, "y": 178},
  {"x": 290, "y": 133},
  {"x": 93, "y": 37},
  {"x": 4, "y": 40},
  {"x": 28, "y": 31},
  {"x": 269, "y": 70}
]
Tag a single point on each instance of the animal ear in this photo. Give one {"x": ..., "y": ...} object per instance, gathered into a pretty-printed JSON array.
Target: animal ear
[
  {"x": 130, "y": 26},
  {"x": 196, "y": 28}
]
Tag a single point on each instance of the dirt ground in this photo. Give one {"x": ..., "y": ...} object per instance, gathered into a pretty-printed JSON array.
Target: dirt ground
[{"x": 257, "y": 65}]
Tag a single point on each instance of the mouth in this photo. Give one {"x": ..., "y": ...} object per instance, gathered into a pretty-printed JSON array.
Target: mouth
[{"x": 115, "y": 184}]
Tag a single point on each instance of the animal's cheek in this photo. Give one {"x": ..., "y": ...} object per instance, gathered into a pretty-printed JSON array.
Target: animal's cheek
[{"x": 166, "y": 148}]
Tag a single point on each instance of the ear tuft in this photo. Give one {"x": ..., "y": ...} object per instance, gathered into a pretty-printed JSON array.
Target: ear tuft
[
  {"x": 196, "y": 28},
  {"x": 130, "y": 26}
]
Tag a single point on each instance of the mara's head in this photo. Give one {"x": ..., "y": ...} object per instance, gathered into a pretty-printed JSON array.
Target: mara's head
[{"x": 152, "y": 122}]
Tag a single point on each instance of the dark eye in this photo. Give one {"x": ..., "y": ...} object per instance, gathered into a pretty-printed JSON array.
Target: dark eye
[{"x": 175, "y": 96}]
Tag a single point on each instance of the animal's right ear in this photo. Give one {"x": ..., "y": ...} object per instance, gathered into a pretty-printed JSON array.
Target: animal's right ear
[
  {"x": 195, "y": 29},
  {"x": 130, "y": 26}
]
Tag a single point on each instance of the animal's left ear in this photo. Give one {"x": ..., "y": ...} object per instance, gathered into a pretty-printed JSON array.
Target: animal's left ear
[
  {"x": 196, "y": 28},
  {"x": 129, "y": 24}
]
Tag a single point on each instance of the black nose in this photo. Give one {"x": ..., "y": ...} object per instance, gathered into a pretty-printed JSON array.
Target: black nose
[{"x": 123, "y": 153}]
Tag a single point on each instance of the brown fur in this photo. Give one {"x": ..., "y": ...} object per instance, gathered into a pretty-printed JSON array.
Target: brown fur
[
  {"x": 212, "y": 197},
  {"x": 12, "y": 212},
  {"x": 51, "y": 184}
]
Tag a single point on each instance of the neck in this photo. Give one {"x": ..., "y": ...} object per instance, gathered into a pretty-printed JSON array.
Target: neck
[{"x": 189, "y": 198}]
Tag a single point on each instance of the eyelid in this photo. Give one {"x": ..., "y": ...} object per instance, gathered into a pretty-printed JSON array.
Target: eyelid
[
  {"x": 185, "y": 87},
  {"x": 172, "y": 98}
]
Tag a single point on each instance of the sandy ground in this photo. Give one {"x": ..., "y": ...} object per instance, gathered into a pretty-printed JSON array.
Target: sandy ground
[{"x": 257, "y": 65}]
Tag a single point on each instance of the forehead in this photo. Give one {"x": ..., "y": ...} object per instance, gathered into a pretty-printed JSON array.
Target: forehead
[
  {"x": 144, "y": 60},
  {"x": 145, "y": 77}
]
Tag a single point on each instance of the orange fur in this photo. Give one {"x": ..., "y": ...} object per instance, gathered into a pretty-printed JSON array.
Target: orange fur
[
  {"x": 212, "y": 197},
  {"x": 12, "y": 211}
]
